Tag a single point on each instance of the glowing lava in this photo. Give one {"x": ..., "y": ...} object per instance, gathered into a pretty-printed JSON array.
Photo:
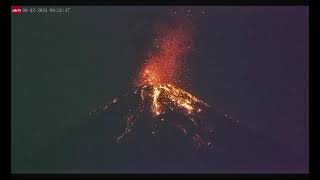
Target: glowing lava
[
  {"x": 167, "y": 96},
  {"x": 163, "y": 99}
]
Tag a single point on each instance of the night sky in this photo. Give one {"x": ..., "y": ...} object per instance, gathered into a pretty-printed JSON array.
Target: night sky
[{"x": 253, "y": 62}]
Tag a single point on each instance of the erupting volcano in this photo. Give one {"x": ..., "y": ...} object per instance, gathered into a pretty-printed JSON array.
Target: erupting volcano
[{"x": 159, "y": 95}]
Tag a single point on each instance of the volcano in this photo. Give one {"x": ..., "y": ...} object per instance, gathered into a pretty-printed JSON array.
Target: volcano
[
  {"x": 161, "y": 113},
  {"x": 158, "y": 105}
]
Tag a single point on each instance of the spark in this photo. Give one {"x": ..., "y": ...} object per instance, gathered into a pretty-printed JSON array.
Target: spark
[{"x": 165, "y": 65}]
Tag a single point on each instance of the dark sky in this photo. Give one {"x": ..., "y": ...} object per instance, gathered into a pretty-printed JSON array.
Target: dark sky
[{"x": 253, "y": 62}]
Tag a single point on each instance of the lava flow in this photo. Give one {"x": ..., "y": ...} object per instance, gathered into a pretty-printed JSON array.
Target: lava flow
[{"x": 158, "y": 88}]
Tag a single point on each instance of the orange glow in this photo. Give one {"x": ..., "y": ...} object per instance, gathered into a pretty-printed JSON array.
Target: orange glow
[{"x": 165, "y": 64}]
